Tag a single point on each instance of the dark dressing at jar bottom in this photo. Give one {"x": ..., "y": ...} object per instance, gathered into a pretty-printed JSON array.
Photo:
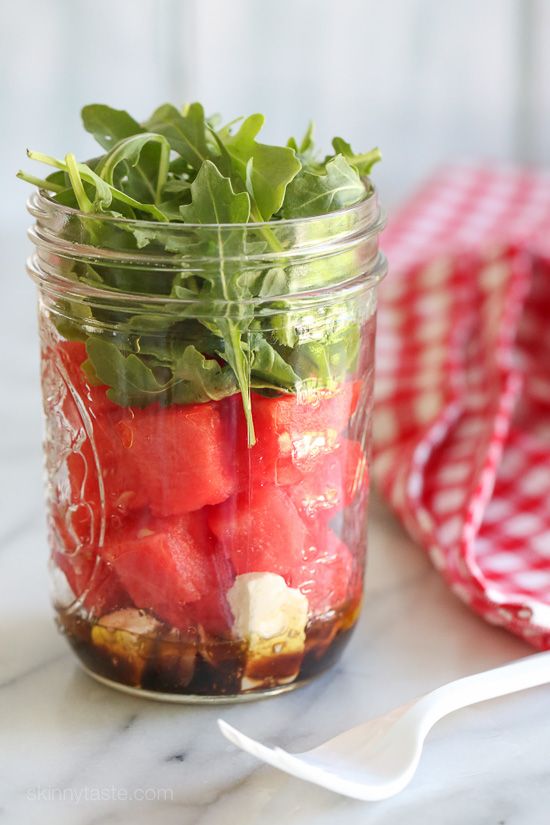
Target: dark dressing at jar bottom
[{"x": 166, "y": 663}]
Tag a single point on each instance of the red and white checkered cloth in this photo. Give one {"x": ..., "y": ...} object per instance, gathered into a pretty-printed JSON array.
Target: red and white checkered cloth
[{"x": 462, "y": 425}]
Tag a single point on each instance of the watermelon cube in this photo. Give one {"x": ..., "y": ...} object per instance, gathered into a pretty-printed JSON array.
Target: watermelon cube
[
  {"x": 170, "y": 564},
  {"x": 261, "y": 531},
  {"x": 175, "y": 456},
  {"x": 292, "y": 433},
  {"x": 90, "y": 487},
  {"x": 212, "y": 612},
  {"x": 173, "y": 460}
]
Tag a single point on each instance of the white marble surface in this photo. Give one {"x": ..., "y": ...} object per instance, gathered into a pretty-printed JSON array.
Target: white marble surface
[{"x": 62, "y": 735}]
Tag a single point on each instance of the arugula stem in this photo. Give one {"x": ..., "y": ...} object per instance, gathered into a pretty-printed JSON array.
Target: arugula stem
[
  {"x": 88, "y": 176},
  {"x": 41, "y": 183},
  {"x": 240, "y": 368},
  {"x": 84, "y": 203},
  {"x": 164, "y": 168},
  {"x": 236, "y": 357}
]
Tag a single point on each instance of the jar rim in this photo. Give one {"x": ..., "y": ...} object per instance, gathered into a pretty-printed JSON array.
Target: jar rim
[
  {"x": 344, "y": 240},
  {"x": 39, "y": 201}
]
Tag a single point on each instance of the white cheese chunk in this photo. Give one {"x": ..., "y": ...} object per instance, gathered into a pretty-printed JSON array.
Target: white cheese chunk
[
  {"x": 263, "y": 605},
  {"x": 271, "y": 617}
]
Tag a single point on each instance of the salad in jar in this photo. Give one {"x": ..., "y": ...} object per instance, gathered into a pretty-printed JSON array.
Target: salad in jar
[{"x": 207, "y": 314}]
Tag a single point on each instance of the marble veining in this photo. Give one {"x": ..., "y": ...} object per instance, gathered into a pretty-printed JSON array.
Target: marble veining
[{"x": 73, "y": 752}]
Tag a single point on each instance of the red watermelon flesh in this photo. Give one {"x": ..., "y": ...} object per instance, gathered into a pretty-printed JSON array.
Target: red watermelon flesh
[
  {"x": 175, "y": 456},
  {"x": 260, "y": 530},
  {"x": 169, "y": 460},
  {"x": 303, "y": 430},
  {"x": 291, "y": 433},
  {"x": 325, "y": 576},
  {"x": 169, "y": 565},
  {"x": 333, "y": 483}
]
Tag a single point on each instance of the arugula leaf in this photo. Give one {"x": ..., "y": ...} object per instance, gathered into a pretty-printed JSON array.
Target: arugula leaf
[
  {"x": 322, "y": 346},
  {"x": 269, "y": 370},
  {"x": 312, "y": 194},
  {"x": 71, "y": 319},
  {"x": 213, "y": 199},
  {"x": 144, "y": 160},
  {"x": 191, "y": 378},
  {"x": 108, "y": 125},
  {"x": 176, "y": 193},
  {"x": 185, "y": 132},
  {"x": 328, "y": 361},
  {"x": 223, "y": 158},
  {"x": 263, "y": 283},
  {"x": 131, "y": 381},
  {"x": 265, "y": 170},
  {"x": 363, "y": 163},
  {"x": 305, "y": 150},
  {"x": 165, "y": 339}
]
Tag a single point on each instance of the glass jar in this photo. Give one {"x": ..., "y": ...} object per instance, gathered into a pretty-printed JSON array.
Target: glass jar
[{"x": 207, "y": 394}]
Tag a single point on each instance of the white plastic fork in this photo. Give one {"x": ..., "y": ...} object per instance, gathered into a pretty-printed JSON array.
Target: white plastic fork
[{"x": 378, "y": 759}]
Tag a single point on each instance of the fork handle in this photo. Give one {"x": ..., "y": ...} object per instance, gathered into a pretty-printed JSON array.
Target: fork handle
[{"x": 518, "y": 675}]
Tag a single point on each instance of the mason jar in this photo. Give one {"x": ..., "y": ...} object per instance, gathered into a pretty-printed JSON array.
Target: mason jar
[{"x": 207, "y": 393}]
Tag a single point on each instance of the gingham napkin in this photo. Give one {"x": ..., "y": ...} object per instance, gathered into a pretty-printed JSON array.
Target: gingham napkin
[{"x": 462, "y": 424}]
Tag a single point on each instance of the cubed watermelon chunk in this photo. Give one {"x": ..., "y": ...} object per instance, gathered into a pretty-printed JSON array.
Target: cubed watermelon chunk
[
  {"x": 325, "y": 577},
  {"x": 302, "y": 430},
  {"x": 292, "y": 433},
  {"x": 169, "y": 460},
  {"x": 176, "y": 456},
  {"x": 260, "y": 530},
  {"x": 169, "y": 565},
  {"x": 334, "y": 481}
]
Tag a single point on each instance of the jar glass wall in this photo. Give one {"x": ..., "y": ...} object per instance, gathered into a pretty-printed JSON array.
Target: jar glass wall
[{"x": 207, "y": 395}]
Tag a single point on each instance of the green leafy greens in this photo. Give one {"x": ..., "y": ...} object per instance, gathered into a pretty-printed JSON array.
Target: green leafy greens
[{"x": 179, "y": 167}]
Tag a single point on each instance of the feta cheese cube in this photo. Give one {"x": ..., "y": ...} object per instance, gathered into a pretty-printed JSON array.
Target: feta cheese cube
[{"x": 271, "y": 617}]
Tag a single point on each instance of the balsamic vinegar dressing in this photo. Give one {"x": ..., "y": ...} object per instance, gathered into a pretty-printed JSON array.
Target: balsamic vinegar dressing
[{"x": 208, "y": 666}]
